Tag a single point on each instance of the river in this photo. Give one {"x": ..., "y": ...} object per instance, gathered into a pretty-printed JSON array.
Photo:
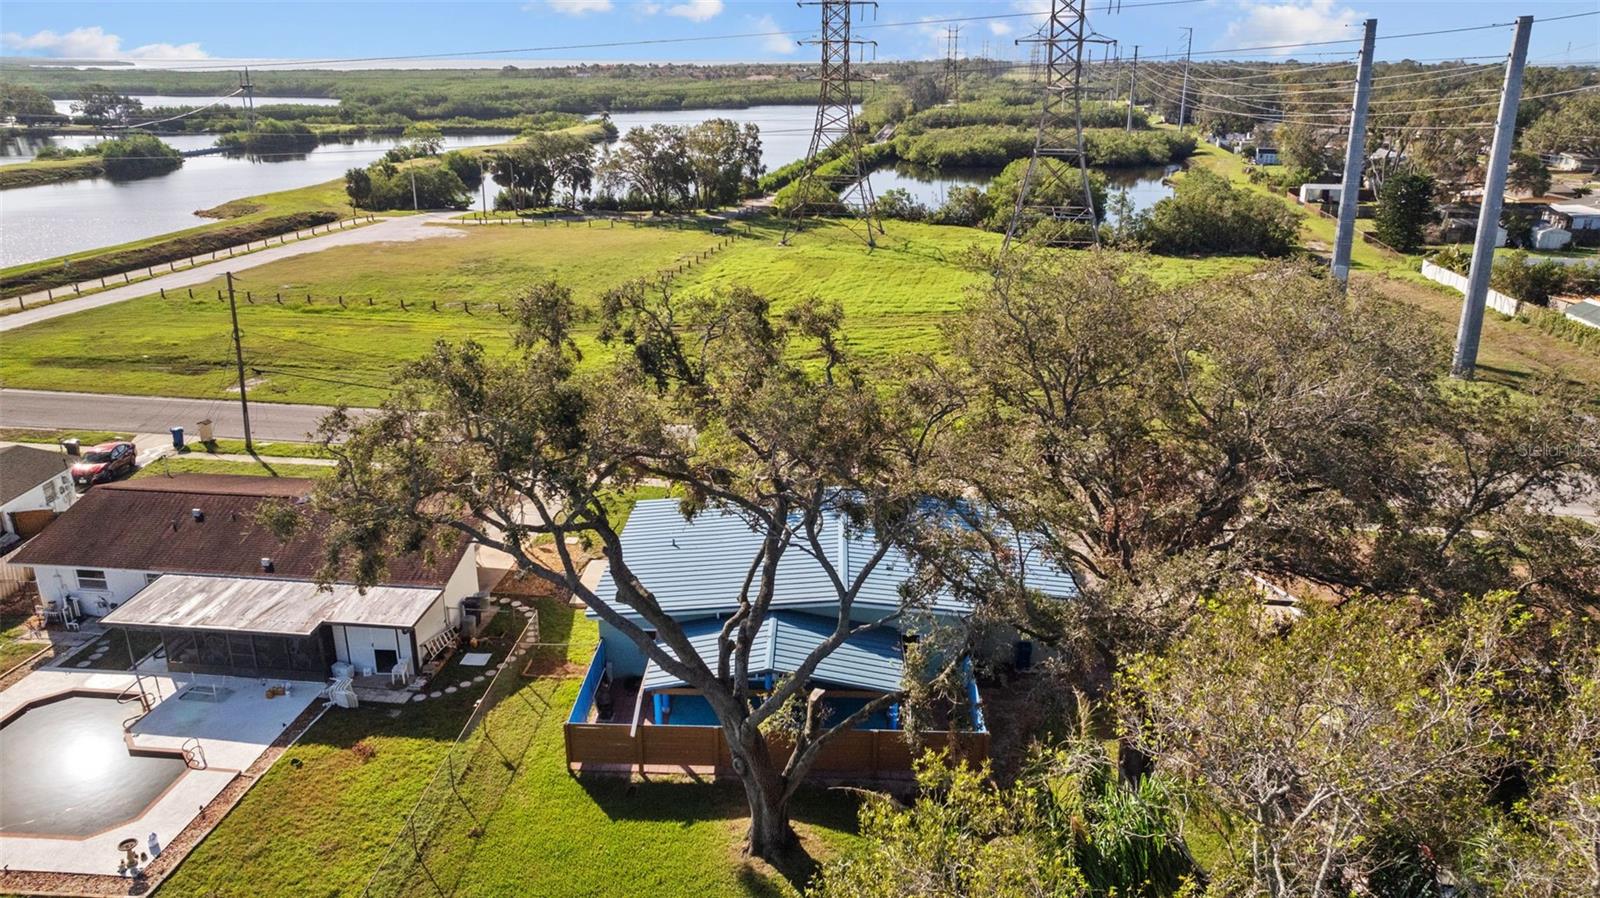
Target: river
[
  {"x": 1145, "y": 185},
  {"x": 57, "y": 219}
]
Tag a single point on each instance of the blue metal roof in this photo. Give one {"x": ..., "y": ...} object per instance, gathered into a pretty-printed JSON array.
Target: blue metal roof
[
  {"x": 697, "y": 567},
  {"x": 869, "y": 660}
]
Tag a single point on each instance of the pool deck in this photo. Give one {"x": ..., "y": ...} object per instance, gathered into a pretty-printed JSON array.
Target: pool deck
[{"x": 232, "y": 734}]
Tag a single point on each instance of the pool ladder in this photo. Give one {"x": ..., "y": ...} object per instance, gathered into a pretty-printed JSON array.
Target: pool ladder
[
  {"x": 134, "y": 694},
  {"x": 193, "y": 754}
]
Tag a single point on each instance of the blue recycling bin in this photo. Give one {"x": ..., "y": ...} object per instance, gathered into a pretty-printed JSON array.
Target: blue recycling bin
[{"x": 177, "y": 437}]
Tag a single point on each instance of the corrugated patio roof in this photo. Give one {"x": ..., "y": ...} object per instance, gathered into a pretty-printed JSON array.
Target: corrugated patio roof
[
  {"x": 871, "y": 660},
  {"x": 254, "y": 605},
  {"x": 697, "y": 567}
]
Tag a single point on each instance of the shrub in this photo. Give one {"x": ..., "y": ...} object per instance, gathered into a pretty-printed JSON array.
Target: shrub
[
  {"x": 138, "y": 156},
  {"x": 898, "y": 203},
  {"x": 1207, "y": 215}
]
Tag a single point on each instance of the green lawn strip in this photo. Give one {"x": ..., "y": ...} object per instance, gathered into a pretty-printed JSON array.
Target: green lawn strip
[
  {"x": 271, "y": 449},
  {"x": 49, "y": 171},
  {"x": 163, "y": 467},
  {"x": 322, "y": 828},
  {"x": 44, "y": 435}
]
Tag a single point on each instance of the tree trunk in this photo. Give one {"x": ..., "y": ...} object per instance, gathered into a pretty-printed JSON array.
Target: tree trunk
[{"x": 770, "y": 835}]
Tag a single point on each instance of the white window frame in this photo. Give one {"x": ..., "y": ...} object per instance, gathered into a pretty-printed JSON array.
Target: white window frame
[{"x": 78, "y": 575}]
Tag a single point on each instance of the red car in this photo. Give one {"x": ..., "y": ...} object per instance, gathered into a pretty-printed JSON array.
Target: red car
[{"x": 104, "y": 462}]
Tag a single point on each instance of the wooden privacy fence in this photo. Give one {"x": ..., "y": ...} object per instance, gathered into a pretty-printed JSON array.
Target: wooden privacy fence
[{"x": 866, "y": 753}]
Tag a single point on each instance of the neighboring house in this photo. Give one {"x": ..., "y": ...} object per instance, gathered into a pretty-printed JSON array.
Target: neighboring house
[
  {"x": 1574, "y": 162},
  {"x": 1573, "y": 216},
  {"x": 187, "y": 557},
  {"x": 631, "y": 712},
  {"x": 1267, "y": 156},
  {"x": 1459, "y": 229},
  {"x": 35, "y": 485},
  {"x": 1320, "y": 193},
  {"x": 1586, "y": 313}
]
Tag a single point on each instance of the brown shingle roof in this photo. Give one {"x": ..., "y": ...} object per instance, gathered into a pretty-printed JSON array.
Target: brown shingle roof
[{"x": 148, "y": 524}]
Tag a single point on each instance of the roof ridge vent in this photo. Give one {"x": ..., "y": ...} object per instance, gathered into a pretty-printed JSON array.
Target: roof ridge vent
[{"x": 197, "y": 514}]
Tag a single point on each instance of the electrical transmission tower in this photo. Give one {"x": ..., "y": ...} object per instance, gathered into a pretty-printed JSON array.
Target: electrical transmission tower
[
  {"x": 834, "y": 136},
  {"x": 249, "y": 88},
  {"x": 952, "y": 66},
  {"x": 1055, "y": 189}
]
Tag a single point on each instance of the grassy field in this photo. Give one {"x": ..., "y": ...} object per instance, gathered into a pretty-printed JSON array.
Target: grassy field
[
  {"x": 894, "y": 299},
  {"x": 271, "y": 449},
  {"x": 41, "y": 435},
  {"x": 321, "y": 828}
]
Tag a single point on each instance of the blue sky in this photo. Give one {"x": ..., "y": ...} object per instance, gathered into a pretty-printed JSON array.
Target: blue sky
[{"x": 180, "y": 33}]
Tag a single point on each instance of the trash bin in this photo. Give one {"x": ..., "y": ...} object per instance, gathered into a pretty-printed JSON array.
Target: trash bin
[
  {"x": 177, "y": 437},
  {"x": 206, "y": 435},
  {"x": 71, "y": 445}
]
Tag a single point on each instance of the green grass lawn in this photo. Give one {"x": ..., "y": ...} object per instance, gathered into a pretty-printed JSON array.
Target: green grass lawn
[
  {"x": 322, "y": 827},
  {"x": 268, "y": 448},
  {"x": 163, "y": 467},
  {"x": 41, "y": 435}
]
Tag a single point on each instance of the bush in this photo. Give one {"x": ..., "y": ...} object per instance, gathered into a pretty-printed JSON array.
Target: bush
[
  {"x": 420, "y": 185},
  {"x": 898, "y": 203},
  {"x": 138, "y": 156},
  {"x": 271, "y": 136},
  {"x": 1207, "y": 215},
  {"x": 966, "y": 206},
  {"x": 1059, "y": 185}
]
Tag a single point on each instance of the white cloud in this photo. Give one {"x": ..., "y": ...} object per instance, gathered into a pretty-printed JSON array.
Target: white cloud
[
  {"x": 95, "y": 43},
  {"x": 648, "y": 9},
  {"x": 696, "y": 10},
  {"x": 1000, "y": 29},
  {"x": 775, "y": 43},
  {"x": 579, "y": 7},
  {"x": 1292, "y": 22}
]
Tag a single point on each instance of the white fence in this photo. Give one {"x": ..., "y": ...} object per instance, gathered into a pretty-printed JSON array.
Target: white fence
[{"x": 1498, "y": 301}]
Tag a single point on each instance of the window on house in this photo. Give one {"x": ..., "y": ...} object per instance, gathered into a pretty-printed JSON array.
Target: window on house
[
  {"x": 88, "y": 579},
  {"x": 150, "y": 579}
]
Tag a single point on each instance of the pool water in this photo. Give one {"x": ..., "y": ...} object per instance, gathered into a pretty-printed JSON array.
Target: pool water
[{"x": 64, "y": 769}]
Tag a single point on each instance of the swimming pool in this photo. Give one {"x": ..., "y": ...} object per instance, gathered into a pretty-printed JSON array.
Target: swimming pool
[{"x": 65, "y": 770}]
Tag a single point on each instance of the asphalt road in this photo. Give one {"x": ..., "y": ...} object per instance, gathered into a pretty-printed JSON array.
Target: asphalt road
[
  {"x": 155, "y": 414},
  {"x": 388, "y": 230}
]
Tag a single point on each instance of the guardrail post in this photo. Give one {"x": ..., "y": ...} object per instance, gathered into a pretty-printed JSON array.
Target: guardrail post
[
  {"x": 102, "y": 282},
  {"x": 21, "y": 306},
  {"x": 48, "y": 295}
]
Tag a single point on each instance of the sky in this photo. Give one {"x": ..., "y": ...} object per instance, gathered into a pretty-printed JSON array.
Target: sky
[{"x": 203, "y": 32}]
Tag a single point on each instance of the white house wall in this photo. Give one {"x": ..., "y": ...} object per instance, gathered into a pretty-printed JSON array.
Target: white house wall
[
  {"x": 54, "y": 493},
  {"x": 57, "y": 583},
  {"x": 357, "y": 645}
]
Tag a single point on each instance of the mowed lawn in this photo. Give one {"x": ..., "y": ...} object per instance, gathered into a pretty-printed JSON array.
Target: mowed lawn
[
  {"x": 320, "y": 352},
  {"x": 321, "y": 828}
]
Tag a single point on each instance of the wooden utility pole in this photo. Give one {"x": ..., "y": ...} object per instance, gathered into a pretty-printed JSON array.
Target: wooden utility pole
[
  {"x": 1354, "y": 156},
  {"x": 1465, "y": 362},
  {"x": 238, "y": 358}
]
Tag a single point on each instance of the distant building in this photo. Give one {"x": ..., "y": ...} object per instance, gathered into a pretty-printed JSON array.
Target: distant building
[
  {"x": 1320, "y": 193},
  {"x": 1573, "y": 216},
  {"x": 1574, "y": 162},
  {"x": 34, "y": 487},
  {"x": 1267, "y": 156}
]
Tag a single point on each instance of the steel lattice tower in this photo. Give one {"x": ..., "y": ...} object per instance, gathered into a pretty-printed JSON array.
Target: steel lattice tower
[
  {"x": 1054, "y": 191},
  {"x": 835, "y": 126}
]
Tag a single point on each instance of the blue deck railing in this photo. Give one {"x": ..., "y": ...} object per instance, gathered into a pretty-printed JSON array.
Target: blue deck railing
[{"x": 591, "y": 682}]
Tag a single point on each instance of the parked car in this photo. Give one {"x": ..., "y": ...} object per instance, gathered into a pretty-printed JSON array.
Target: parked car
[{"x": 104, "y": 463}]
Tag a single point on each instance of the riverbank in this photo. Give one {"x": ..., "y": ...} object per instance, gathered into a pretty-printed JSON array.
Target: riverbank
[{"x": 49, "y": 171}]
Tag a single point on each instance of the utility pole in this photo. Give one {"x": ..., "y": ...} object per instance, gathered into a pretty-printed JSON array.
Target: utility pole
[
  {"x": 238, "y": 358},
  {"x": 1183, "y": 96},
  {"x": 414, "y": 206},
  {"x": 1494, "y": 185},
  {"x": 1133, "y": 80},
  {"x": 1058, "y": 146},
  {"x": 835, "y": 125},
  {"x": 1354, "y": 156},
  {"x": 249, "y": 88}
]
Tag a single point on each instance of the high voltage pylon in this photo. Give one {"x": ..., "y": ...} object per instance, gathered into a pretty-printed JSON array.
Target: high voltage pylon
[
  {"x": 952, "y": 66},
  {"x": 850, "y": 187},
  {"x": 1051, "y": 190}
]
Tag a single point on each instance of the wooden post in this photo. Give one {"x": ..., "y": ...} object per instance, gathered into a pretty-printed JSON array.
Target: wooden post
[
  {"x": 248, "y": 299},
  {"x": 21, "y": 306},
  {"x": 163, "y": 292},
  {"x": 191, "y": 293},
  {"x": 219, "y": 296},
  {"x": 341, "y": 300},
  {"x": 369, "y": 300},
  {"x": 402, "y": 304},
  {"x": 280, "y": 299},
  {"x": 102, "y": 283},
  {"x": 308, "y": 299},
  {"x": 436, "y": 305}
]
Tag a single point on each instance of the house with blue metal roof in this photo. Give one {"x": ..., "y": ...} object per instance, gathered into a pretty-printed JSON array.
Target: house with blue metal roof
[{"x": 696, "y": 569}]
